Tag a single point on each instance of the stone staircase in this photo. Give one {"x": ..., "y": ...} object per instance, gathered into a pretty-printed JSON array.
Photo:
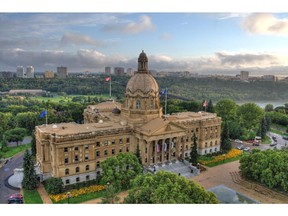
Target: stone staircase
[{"x": 176, "y": 167}]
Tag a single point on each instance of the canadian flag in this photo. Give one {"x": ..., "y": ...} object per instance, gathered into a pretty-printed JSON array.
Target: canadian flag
[{"x": 108, "y": 78}]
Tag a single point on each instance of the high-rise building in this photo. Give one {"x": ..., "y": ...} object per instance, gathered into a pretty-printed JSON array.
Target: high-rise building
[
  {"x": 244, "y": 75},
  {"x": 62, "y": 72},
  {"x": 108, "y": 70},
  {"x": 29, "y": 72},
  {"x": 49, "y": 74},
  {"x": 129, "y": 71},
  {"x": 20, "y": 72},
  {"x": 119, "y": 71},
  {"x": 74, "y": 152}
]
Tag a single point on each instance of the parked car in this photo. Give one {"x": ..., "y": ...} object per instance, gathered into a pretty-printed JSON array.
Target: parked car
[
  {"x": 15, "y": 201},
  {"x": 273, "y": 144},
  {"x": 240, "y": 147},
  {"x": 285, "y": 137},
  {"x": 246, "y": 149},
  {"x": 250, "y": 141},
  {"x": 16, "y": 195},
  {"x": 274, "y": 138},
  {"x": 256, "y": 144},
  {"x": 238, "y": 141}
]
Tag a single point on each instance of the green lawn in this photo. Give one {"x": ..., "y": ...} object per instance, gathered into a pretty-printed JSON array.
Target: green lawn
[
  {"x": 32, "y": 197},
  {"x": 67, "y": 98},
  {"x": 11, "y": 151},
  {"x": 82, "y": 198}
]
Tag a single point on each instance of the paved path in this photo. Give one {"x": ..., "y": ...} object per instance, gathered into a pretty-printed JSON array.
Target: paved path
[
  {"x": 44, "y": 195},
  {"x": 222, "y": 174}
]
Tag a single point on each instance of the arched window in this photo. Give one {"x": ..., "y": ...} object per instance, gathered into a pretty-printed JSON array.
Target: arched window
[
  {"x": 211, "y": 143},
  {"x": 216, "y": 142},
  {"x": 77, "y": 169},
  {"x": 138, "y": 104},
  {"x": 151, "y": 104},
  {"x": 87, "y": 167},
  {"x": 66, "y": 171}
]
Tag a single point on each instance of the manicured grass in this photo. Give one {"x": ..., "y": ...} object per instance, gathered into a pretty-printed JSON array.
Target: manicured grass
[
  {"x": 276, "y": 131},
  {"x": 223, "y": 162},
  {"x": 278, "y": 127},
  {"x": 32, "y": 197},
  {"x": 11, "y": 151},
  {"x": 67, "y": 98},
  {"x": 82, "y": 198}
]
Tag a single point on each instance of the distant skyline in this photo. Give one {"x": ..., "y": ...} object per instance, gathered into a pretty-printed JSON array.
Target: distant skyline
[{"x": 204, "y": 43}]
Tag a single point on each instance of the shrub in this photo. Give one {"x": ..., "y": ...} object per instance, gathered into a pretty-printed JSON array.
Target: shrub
[{"x": 54, "y": 185}]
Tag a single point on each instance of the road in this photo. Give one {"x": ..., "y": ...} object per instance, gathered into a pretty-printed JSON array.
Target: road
[
  {"x": 280, "y": 143},
  {"x": 5, "y": 171}
]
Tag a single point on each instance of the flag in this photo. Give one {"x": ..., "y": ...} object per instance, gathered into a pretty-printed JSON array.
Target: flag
[
  {"x": 108, "y": 78},
  {"x": 43, "y": 113},
  {"x": 163, "y": 92},
  {"x": 204, "y": 103}
]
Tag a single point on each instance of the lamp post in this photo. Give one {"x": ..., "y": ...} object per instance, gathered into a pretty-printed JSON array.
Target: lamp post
[{"x": 68, "y": 195}]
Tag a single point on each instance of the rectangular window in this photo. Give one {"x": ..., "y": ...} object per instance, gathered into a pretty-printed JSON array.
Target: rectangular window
[
  {"x": 120, "y": 150},
  {"x": 77, "y": 179},
  {"x": 113, "y": 151},
  {"x": 113, "y": 142},
  {"x": 106, "y": 143},
  {"x": 76, "y": 158},
  {"x": 97, "y": 153},
  {"x": 86, "y": 147},
  {"x": 67, "y": 181},
  {"x": 105, "y": 152},
  {"x": 127, "y": 140},
  {"x": 66, "y": 149},
  {"x": 76, "y": 148},
  {"x": 127, "y": 149},
  {"x": 87, "y": 178},
  {"x": 86, "y": 157},
  {"x": 66, "y": 160},
  {"x": 97, "y": 144},
  {"x": 120, "y": 141}
]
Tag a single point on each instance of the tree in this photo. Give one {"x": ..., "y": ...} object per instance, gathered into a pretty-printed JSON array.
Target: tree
[
  {"x": 226, "y": 109},
  {"x": 54, "y": 185},
  {"x": 138, "y": 155},
  {"x": 30, "y": 181},
  {"x": 120, "y": 170},
  {"x": 33, "y": 144},
  {"x": 210, "y": 107},
  {"x": 263, "y": 128},
  {"x": 225, "y": 141},
  {"x": 167, "y": 188},
  {"x": 269, "y": 107},
  {"x": 15, "y": 135},
  {"x": 110, "y": 196},
  {"x": 250, "y": 115},
  {"x": 194, "y": 153}
]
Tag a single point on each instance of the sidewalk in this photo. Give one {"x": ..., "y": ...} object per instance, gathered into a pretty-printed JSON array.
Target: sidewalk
[{"x": 44, "y": 195}]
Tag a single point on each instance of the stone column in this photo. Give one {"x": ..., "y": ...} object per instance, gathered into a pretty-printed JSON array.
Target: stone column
[
  {"x": 162, "y": 151},
  {"x": 169, "y": 151},
  {"x": 148, "y": 155},
  {"x": 155, "y": 152}
]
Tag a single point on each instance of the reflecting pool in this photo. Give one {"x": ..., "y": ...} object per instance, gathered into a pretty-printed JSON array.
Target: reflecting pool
[{"x": 228, "y": 196}]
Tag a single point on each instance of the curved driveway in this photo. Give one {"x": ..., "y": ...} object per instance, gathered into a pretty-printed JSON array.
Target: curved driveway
[{"x": 5, "y": 171}]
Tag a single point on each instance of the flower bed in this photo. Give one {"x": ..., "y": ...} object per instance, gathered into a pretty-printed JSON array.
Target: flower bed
[
  {"x": 231, "y": 154},
  {"x": 76, "y": 192}
]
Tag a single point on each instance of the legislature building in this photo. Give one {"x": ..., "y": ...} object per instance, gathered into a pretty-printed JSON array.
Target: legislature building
[{"x": 74, "y": 152}]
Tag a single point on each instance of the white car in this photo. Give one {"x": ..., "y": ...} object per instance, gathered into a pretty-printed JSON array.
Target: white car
[
  {"x": 238, "y": 141},
  {"x": 246, "y": 149}
]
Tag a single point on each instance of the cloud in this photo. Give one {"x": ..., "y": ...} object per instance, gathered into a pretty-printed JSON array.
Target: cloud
[
  {"x": 266, "y": 24},
  {"x": 144, "y": 24},
  {"x": 165, "y": 36},
  {"x": 94, "y": 60},
  {"x": 79, "y": 39}
]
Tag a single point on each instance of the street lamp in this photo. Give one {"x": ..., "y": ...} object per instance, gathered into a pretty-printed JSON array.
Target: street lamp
[{"x": 68, "y": 195}]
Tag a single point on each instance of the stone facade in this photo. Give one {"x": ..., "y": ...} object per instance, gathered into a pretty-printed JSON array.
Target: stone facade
[{"x": 74, "y": 152}]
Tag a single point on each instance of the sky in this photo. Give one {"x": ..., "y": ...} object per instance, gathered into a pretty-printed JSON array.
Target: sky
[{"x": 199, "y": 42}]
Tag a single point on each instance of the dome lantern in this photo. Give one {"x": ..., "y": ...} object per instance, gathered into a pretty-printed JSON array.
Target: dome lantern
[{"x": 143, "y": 62}]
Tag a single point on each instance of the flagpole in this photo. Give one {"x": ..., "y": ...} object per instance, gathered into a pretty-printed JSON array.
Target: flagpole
[
  {"x": 165, "y": 101},
  {"x": 110, "y": 87},
  {"x": 46, "y": 117}
]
